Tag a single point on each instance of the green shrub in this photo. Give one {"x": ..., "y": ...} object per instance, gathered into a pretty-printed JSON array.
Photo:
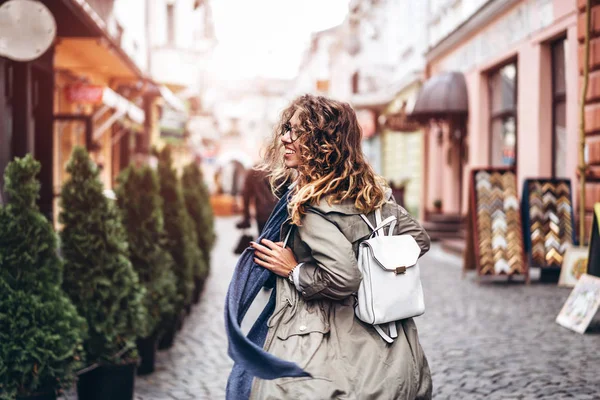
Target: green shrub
[
  {"x": 139, "y": 200},
  {"x": 98, "y": 276},
  {"x": 181, "y": 241},
  {"x": 40, "y": 330},
  {"x": 197, "y": 200}
]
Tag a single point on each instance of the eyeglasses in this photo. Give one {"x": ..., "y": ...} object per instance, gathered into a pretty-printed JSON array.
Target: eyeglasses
[{"x": 294, "y": 133}]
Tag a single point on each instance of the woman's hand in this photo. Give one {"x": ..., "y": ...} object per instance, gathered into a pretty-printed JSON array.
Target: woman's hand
[{"x": 274, "y": 257}]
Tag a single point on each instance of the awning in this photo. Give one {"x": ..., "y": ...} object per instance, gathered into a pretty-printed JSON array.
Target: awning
[
  {"x": 123, "y": 109},
  {"x": 443, "y": 96},
  {"x": 172, "y": 101}
]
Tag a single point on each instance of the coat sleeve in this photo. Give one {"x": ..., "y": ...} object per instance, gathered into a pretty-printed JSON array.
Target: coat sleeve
[
  {"x": 333, "y": 271},
  {"x": 407, "y": 225}
]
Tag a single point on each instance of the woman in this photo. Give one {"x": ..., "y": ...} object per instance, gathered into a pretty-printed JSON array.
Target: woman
[{"x": 313, "y": 324}]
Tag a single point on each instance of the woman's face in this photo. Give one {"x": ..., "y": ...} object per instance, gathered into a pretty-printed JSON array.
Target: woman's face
[{"x": 290, "y": 142}]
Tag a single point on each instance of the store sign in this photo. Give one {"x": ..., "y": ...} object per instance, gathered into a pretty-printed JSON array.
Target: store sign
[
  {"x": 86, "y": 94},
  {"x": 27, "y": 29},
  {"x": 399, "y": 121},
  {"x": 366, "y": 120},
  {"x": 172, "y": 123}
]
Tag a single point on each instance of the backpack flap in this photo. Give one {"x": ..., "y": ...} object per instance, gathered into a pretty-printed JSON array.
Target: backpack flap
[{"x": 394, "y": 253}]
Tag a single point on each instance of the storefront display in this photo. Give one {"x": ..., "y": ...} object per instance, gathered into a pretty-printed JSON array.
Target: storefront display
[
  {"x": 582, "y": 304},
  {"x": 495, "y": 224},
  {"x": 594, "y": 254},
  {"x": 548, "y": 222}
]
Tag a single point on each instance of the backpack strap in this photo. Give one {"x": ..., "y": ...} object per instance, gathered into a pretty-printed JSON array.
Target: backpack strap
[
  {"x": 393, "y": 332},
  {"x": 287, "y": 237},
  {"x": 391, "y": 220}
]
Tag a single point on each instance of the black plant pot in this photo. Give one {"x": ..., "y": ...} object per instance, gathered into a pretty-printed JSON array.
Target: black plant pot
[
  {"x": 50, "y": 395},
  {"x": 168, "y": 337},
  {"x": 147, "y": 350},
  {"x": 188, "y": 309},
  {"x": 196, "y": 293},
  {"x": 107, "y": 382}
]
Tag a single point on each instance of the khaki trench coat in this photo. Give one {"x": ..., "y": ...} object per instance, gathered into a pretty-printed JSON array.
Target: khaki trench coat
[{"x": 316, "y": 327}]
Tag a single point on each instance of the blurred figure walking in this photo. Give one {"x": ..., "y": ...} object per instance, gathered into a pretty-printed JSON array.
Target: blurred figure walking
[{"x": 257, "y": 191}]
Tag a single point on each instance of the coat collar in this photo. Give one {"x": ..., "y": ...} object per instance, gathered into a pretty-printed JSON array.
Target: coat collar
[{"x": 345, "y": 207}]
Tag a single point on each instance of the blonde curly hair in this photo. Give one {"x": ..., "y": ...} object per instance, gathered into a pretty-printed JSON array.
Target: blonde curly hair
[{"x": 332, "y": 165}]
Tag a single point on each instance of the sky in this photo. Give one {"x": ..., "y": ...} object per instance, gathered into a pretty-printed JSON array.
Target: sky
[{"x": 268, "y": 37}]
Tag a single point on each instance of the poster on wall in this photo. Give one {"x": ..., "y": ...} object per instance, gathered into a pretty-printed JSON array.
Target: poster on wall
[
  {"x": 494, "y": 237},
  {"x": 582, "y": 304},
  {"x": 548, "y": 222},
  {"x": 594, "y": 253}
]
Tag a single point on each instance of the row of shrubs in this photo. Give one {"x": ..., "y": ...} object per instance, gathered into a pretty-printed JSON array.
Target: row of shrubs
[{"x": 115, "y": 284}]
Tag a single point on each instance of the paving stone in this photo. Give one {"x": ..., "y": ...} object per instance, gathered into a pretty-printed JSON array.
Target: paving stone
[{"x": 482, "y": 340}]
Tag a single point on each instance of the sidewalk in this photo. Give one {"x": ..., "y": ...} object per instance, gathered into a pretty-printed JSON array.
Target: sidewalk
[
  {"x": 483, "y": 341},
  {"x": 499, "y": 340}
]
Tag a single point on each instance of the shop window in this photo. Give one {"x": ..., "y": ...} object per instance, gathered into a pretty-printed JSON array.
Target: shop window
[
  {"x": 503, "y": 115},
  {"x": 559, "y": 109}
]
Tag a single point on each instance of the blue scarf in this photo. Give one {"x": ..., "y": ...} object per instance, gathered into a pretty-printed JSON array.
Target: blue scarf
[{"x": 250, "y": 360}]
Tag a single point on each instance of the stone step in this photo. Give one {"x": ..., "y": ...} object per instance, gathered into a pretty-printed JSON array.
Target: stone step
[
  {"x": 442, "y": 227},
  {"x": 454, "y": 246},
  {"x": 445, "y": 218}
]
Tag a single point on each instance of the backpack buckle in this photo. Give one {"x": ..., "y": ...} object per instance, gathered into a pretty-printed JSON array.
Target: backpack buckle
[{"x": 400, "y": 270}]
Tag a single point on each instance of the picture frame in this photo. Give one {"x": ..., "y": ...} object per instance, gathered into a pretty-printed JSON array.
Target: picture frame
[
  {"x": 548, "y": 224},
  {"x": 492, "y": 227},
  {"x": 594, "y": 247},
  {"x": 581, "y": 305},
  {"x": 574, "y": 266}
]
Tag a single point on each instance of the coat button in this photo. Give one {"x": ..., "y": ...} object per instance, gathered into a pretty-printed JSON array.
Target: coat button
[{"x": 302, "y": 328}]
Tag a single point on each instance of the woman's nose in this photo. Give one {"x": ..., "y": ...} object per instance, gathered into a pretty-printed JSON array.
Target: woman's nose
[{"x": 285, "y": 138}]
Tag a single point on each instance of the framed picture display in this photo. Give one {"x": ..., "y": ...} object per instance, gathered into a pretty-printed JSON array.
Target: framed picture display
[
  {"x": 582, "y": 304},
  {"x": 574, "y": 265},
  {"x": 594, "y": 254},
  {"x": 548, "y": 224},
  {"x": 495, "y": 229}
]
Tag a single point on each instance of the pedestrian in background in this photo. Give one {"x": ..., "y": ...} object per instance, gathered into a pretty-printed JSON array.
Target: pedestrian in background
[
  {"x": 257, "y": 192},
  {"x": 318, "y": 145}
]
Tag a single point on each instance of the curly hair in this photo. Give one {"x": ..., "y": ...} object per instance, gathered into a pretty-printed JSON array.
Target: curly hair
[{"x": 332, "y": 164}]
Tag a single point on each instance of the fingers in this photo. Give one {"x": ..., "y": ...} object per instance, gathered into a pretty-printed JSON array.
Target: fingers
[
  {"x": 271, "y": 245},
  {"x": 259, "y": 247},
  {"x": 262, "y": 263},
  {"x": 261, "y": 255}
]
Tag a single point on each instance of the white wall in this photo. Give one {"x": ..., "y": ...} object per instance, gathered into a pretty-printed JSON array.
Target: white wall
[
  {"x": 447, "y": 15},
  {"x": 130, "y": 15},
  {"x": 179, "y": 63}
]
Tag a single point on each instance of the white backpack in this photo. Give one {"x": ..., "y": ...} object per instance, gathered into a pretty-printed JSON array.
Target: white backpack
[{"x": 391, "y": 286}]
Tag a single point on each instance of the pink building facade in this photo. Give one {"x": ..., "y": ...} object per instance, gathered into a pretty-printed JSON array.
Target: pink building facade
[{"x": 520, "y": 63}]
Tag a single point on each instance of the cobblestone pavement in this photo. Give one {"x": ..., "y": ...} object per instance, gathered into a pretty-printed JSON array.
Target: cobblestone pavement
[{"x": 483, "y": 341}]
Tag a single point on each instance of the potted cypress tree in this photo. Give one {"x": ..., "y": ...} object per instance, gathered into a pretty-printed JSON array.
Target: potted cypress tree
[
  {"x": 138, "y": 198},
  {"x": 197, "y": 200},
  {"x": 41, "y": 332},
  {"x": 180, "y": 241},
  {"x": 101, "y": 282}
]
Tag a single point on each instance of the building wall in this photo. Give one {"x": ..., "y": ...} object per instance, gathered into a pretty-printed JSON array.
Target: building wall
[
  {"x": 522, "y": 32},
  {"x": 446, "y": 15},
  {"x": 402, "y": 153},
  {"x": 177, "y": 61}
]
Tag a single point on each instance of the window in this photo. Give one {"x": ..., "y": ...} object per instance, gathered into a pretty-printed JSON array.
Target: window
[
  {"x": 503, "y": 115},
  {"x": 559, "y": 109},
  {"x": 170, "y": 24}
]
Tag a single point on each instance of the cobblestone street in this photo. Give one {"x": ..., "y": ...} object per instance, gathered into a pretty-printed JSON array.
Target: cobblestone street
[{"x": 483, "y": 341}]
